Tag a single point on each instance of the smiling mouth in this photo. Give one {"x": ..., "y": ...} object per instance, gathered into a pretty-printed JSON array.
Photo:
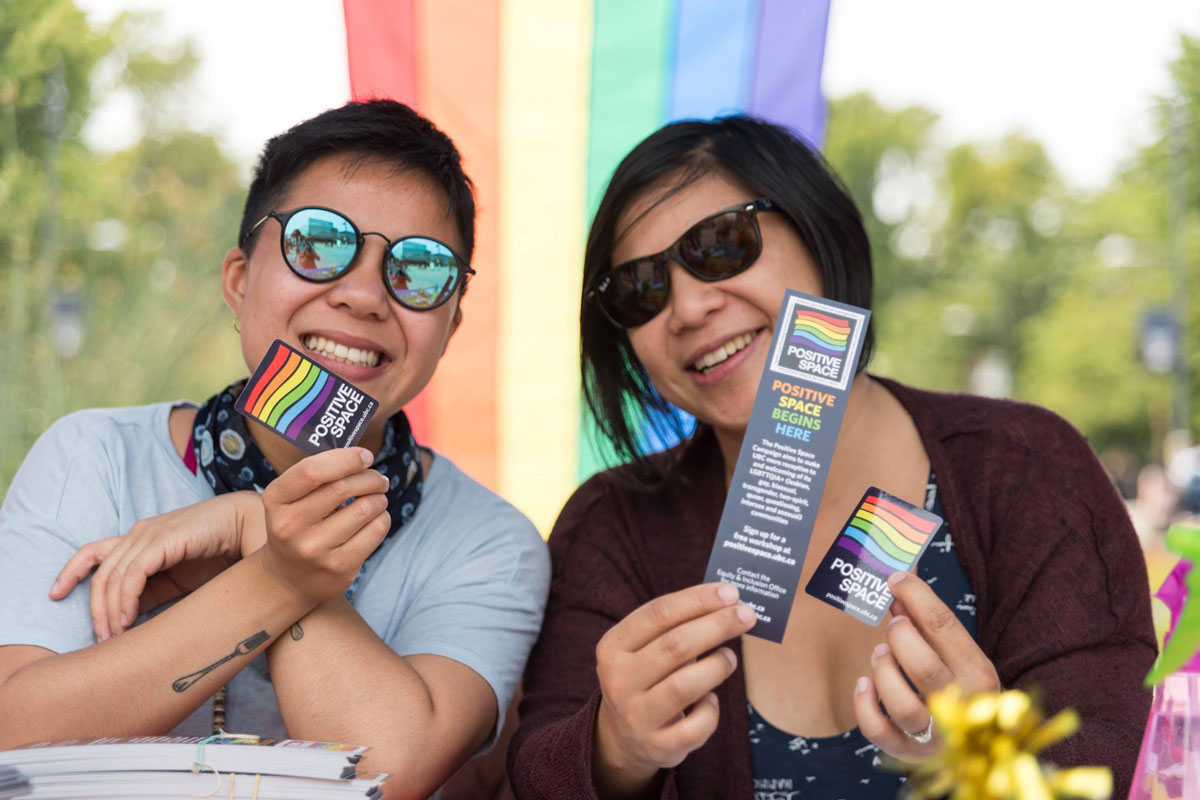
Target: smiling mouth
[
  {"x": 340, "y": 352},
  {"x": 711, "y": 360}
]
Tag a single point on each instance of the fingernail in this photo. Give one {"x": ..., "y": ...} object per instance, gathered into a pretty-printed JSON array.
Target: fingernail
[
  {"x": 725, "y": 651},
  {"x": 861, "y": 685},
  {"x": 893, "y": 621},
  {"x": 746, "y": 614},
  {"x": 895, "y": 578},
  {"x": 366, "y": 456},
  {"x": 103, "y": 636},
  {"x": 711, "y": 699},
  {"x": 727, "y": 592},
  {"x": 880, "y": 651},
  {"x": 54, "y": 588},
  {"x": 124, "y": 620}
]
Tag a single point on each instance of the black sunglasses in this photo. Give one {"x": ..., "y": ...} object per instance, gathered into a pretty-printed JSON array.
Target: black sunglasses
[
  {"x": 715, "y": 248},
  {"x": 320, "y": 245}
]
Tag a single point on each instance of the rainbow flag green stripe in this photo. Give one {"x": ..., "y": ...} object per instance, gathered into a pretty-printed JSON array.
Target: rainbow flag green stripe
[
  {"x": 293, "y": 380},
  {"x": 295, "y": 395}
]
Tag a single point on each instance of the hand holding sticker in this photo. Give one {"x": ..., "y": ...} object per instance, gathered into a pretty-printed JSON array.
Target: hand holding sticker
[
  {"x": 927, "y": 648},
  {"x": 316, "y": 540}
]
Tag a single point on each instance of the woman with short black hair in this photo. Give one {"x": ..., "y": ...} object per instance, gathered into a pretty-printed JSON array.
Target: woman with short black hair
[{"x": 392, "y": 597}]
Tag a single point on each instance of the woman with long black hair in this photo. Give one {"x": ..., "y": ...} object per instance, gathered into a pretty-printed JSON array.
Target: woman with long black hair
[{"x": 642, "y": 683}]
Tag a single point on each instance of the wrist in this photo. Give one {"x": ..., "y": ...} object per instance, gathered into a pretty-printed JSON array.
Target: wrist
[
  {"x": 615, "y": 775},
  {"x": 251, "y": 524},
  {"x": 275, "y": 575}
]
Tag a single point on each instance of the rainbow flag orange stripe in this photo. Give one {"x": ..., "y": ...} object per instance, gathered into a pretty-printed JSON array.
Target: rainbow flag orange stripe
[
  {"x": 881, "y": 504},
  {"x": 254, "y": 391},
  {"x": 274, "y": 381}
]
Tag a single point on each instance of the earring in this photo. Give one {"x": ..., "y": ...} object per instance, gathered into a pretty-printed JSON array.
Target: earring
[{"x": 237, "y": 325}]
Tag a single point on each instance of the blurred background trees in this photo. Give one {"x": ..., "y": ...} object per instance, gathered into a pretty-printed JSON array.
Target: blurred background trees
[
  {"x": 108, "y": 261},
  {"x": 993, "y": 274}
]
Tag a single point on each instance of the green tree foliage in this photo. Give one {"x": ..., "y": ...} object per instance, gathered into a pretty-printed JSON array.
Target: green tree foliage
[
  {"x": 984, "y": 256},
  {"x": 109, "y": 262}
]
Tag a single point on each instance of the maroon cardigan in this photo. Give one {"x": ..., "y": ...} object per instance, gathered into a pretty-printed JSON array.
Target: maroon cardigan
[{"x": 1044, "y": 539}]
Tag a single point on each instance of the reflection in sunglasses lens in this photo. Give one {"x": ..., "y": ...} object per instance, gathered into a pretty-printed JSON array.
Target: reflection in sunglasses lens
[
  {"x": 713, "y": 249},
  {"x": 421, "y": 272},
  {"x": 721, "y": 246},
  {"x": 319, "y": 244}
]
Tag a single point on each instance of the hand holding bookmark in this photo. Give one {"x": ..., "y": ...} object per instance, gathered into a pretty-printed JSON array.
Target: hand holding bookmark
[{"x": 658, "y": 703}]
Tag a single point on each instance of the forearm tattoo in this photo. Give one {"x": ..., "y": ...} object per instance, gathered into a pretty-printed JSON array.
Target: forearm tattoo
[
  {"x": 297, "y": 632},
  {"x": 244, "y": 648}
]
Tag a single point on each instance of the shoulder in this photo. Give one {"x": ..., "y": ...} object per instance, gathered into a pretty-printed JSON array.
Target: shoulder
[
  {"x": 610, "y": 496},
  {"x": 1010, "y": 426},
  {"x": 90, "y": 464},
  {"x": 97, "y": 433},
  {"x": 1018, "y": 459},
  {"x": 473, "y": 517}
]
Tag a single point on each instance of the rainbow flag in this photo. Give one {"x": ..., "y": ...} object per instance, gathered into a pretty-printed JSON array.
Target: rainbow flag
[
  {"x": 288, "y": 391},
  {"x": 820, "y": 332},
  {"x": 544, "y": 97},
  {"x": 885, "y": 535}
]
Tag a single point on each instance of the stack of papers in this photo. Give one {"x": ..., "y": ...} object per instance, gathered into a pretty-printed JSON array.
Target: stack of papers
[
  {"x": 12, "y": 783},
  {"x": 153, "y": 767}
]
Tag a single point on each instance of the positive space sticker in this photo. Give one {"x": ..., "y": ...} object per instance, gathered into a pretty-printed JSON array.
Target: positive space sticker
[
  {"x": 884, "y": 535},
  {"x": 305, "y": 403}
]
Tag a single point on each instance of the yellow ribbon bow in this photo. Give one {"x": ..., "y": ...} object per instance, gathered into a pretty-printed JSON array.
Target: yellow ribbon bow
[{"x": 990, "y": 743}]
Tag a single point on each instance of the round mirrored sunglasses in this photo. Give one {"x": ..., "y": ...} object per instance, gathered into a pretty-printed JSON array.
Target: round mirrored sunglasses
[{"x": 320, "y": 245}]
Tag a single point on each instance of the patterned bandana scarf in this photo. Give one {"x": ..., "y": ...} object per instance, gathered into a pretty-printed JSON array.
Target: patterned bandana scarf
[{"x": 231, "y": 461}]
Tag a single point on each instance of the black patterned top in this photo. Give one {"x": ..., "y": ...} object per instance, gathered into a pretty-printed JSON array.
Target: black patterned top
[{"x": 847, "y": 766}]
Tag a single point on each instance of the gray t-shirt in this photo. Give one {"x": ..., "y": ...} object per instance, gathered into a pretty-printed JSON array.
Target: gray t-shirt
[{"x": 466, "y": 578}]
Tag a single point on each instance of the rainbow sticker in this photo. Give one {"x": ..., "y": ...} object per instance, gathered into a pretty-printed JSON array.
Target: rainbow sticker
[
  {"x": 884, "y": 535},
  {"x": 305, "y": 403},
  {"x": 820, "y": 332}
]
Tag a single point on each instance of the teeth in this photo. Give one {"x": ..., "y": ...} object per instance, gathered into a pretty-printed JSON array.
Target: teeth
[
  {"x": 710, "y": 360},
  {"x": 340, "y": 352}
]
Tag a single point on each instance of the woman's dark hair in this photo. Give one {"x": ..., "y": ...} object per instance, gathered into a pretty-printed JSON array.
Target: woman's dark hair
[
  {"x": 381, "y": 130},
  {"x": 767, "y": 161}
]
